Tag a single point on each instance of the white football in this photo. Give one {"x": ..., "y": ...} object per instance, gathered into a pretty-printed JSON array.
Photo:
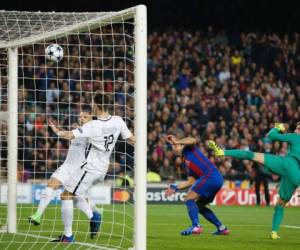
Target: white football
[{"x": 54, "y": 52}]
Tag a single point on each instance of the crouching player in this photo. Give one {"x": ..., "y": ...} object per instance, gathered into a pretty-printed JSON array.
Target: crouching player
[{"x": 204, "y": 181}]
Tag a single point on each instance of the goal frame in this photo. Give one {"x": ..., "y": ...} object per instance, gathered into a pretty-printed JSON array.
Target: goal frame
[{"x": 139, "y": 14}]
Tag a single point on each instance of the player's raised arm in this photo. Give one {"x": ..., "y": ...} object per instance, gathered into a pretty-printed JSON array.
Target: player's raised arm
[
  {"x": 275, "y": 134},
  {"x": 68, "y": 135},
  {"x": 184, "y": 141}
]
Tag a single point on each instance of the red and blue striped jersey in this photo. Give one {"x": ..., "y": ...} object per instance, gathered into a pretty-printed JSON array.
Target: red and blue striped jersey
[{"x": 196, "y": 163}]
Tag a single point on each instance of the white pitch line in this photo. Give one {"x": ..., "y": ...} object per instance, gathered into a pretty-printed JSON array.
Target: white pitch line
[
  {"x": 291, "y": 226},
  {"x": 76, "y": 243}
]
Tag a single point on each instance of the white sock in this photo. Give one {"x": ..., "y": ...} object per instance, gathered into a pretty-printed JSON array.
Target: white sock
[
  {"x": 93, "y": 206},
  {"x": 46, "y": 197},
  {"x": 67, "y": 216},
  {"x": 84, "y": 206}
]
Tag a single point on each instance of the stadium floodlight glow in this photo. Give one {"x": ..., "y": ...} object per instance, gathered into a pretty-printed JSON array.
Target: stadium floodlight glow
[{"x": 102, "y": 51}]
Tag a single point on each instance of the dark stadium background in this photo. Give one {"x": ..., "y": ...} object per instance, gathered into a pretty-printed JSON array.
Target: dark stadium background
[
  {"x": 249, "y": 225},
  {"x": 233, "y": 15},
  {"x": 179, "y": 19}
]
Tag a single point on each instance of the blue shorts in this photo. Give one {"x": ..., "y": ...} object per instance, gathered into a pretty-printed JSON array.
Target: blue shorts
[{"x": 208, "y": 186}]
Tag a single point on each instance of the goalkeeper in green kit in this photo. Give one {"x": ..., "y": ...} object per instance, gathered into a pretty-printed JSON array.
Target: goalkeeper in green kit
[{"x": 288, "y": 167}]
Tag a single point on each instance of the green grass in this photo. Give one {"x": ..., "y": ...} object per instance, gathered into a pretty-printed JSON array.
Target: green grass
[
  {"x": 249, "y": 226},
  {"x": 116, "y": 229}
]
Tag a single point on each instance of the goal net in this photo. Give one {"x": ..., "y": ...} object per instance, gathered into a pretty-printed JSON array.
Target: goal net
[{"x": 103, "y": 52}]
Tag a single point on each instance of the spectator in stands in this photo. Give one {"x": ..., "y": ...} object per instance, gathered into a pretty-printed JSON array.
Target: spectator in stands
[
  {"x": 261, "y": 177},
  {"x": 208, "y": 81},
  {"x": 22, "y": 174},
  {"x": 230, "y": 85}
]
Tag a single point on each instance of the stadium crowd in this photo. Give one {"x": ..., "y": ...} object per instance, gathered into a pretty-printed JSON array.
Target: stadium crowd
[
  {"x": 207, "y": 84},
  {"x": 213, "y": 85}
]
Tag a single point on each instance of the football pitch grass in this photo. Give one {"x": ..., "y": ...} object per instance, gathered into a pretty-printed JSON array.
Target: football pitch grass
[{"x": 249, "y": 227}]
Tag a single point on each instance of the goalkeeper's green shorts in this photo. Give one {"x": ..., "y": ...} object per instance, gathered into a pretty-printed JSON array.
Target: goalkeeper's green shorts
[
  {"x": 289, "y": 170},
  {"x": 286, "y": 189}
]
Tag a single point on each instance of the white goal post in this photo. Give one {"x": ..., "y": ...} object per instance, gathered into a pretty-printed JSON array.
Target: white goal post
[
  {"x": 12, "y": 42},
  {"x": 12, "y": 139}
]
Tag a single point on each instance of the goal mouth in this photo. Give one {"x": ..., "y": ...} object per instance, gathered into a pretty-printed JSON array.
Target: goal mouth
[{"x": 103, "y": 52}]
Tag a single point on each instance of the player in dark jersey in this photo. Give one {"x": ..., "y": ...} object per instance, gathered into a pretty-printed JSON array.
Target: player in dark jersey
[{"x": 204, "y": 181}]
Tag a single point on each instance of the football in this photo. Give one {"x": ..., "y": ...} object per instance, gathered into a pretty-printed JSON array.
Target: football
[{"x": 54, "y": 52}]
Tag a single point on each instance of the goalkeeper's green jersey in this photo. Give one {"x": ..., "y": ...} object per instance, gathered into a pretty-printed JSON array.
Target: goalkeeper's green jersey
[{"x": 292, "y": 139}]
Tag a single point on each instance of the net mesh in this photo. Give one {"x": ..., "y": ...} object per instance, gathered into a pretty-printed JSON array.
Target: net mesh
[
  {"x": 100, "y": 58},
  {"x": 3, "y": 108},
  {"x": 16, "y": 25}
]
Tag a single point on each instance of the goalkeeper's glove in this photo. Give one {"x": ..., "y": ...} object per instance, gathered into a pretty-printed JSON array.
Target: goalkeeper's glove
[
  {"x": 174, "y": 187},
  {"x": 280, "y": 127}
]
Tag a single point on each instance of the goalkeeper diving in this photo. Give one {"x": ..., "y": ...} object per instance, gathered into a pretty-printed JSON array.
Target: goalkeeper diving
[{"x": 288, "y": 167}]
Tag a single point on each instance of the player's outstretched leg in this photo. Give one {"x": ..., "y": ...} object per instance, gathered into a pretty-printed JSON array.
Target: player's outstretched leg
[
  {"x": 282, "y": 166},
  {"x": 46, "y": 197},
  {"x": 236, "y": 153}
]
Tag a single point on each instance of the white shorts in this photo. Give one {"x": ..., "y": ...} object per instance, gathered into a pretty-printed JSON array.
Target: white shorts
[
  {"x": 63, "y": 173},
  {"x": 81, "y": 180}
]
